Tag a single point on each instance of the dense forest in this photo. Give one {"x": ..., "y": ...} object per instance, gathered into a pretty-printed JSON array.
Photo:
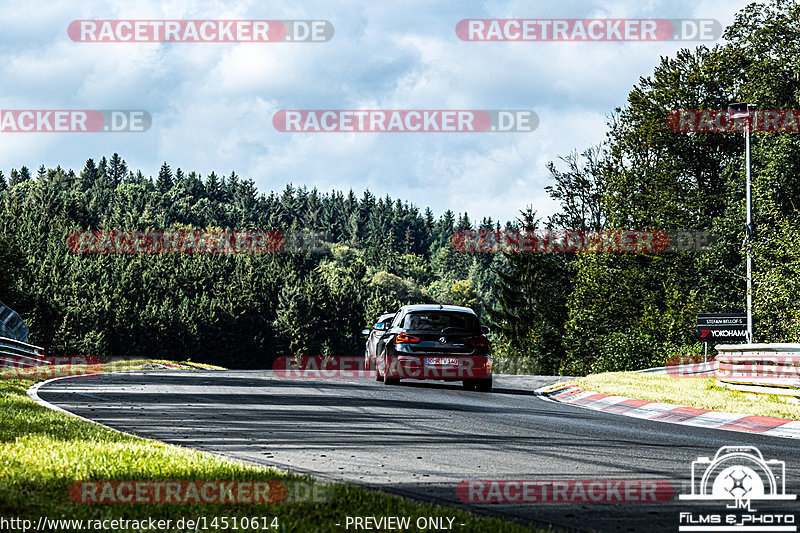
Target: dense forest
[
  {"x": 238, "y": 310},
  {"x": 549, "y": 312}
]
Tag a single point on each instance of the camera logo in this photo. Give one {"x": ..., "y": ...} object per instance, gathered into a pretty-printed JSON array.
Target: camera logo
[{"x": 738, "y": 473}]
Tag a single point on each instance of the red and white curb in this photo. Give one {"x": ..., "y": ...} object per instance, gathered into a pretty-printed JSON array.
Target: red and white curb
[{"x": 677, "y": 414}]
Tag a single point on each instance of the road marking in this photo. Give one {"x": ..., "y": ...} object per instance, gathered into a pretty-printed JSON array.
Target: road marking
[{"x": 674, "y": 414}]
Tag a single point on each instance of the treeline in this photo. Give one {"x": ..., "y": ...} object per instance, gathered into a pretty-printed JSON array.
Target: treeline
[{"x": 236, "y": 310}]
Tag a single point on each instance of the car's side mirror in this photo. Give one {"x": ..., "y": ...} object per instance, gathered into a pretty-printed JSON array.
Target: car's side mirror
[
  {"x": 485, "y": 329},
  {"x": 365, "y": 332}
]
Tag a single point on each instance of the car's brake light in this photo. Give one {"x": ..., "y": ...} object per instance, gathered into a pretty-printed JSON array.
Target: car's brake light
[
  {"x": 402, "y": 338},
  {"x": 478, "y": 341}
]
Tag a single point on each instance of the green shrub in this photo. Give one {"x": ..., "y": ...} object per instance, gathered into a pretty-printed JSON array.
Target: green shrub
[{"x": 620, "y": 352}]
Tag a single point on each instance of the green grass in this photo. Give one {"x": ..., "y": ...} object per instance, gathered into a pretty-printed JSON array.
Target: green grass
[
  {"x": 42, "y": 452},
  {"x": 694, "y": 392}
]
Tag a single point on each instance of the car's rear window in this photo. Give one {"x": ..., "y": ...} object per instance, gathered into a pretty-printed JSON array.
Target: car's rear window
[{"x": 438, "y": 320}]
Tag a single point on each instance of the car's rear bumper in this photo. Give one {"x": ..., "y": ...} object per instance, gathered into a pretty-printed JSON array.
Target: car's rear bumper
[{"x": 421, "y": 367}]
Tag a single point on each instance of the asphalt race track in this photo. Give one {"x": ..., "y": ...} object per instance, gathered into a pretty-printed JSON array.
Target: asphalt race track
[{"x": 421, "y": 439}]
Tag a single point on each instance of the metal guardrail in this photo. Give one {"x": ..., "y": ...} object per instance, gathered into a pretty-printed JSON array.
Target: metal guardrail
[
  {"x": 759, "y": 368},
  {"x": 14, "y": 353},
  {"x": 11, "y": 325}
]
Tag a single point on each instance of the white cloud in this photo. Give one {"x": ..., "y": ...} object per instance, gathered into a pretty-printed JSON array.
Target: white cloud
[{"x": 212, "y": 104}]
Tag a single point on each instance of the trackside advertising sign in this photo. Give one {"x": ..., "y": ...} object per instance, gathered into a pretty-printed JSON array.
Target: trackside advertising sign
[{"x": 721, "y": 327}]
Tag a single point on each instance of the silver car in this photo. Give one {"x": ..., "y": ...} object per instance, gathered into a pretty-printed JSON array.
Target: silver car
[{"x": 373, "y": 335}]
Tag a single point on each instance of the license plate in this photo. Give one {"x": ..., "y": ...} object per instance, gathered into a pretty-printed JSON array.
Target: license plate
[{"x": 442, "y": 361}]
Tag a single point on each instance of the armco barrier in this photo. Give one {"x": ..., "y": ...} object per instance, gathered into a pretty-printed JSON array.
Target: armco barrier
[
  {"x": 11, "y": 325},
  {"x": 759, "y": 368},
  {"x": 16, "y": 354}
]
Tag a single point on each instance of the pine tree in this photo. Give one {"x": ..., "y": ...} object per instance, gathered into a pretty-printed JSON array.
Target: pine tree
[
  {"x": 463, "y": 222},
  {"x": 352, "y": 230},
  {"x": 213, "y": 187},
  {"x": 408, "y": 242},
  {"x": 3, "y": 184},
  {"x": 164, "y": 182},
  {"x": 70, "y": 179},
  {"x": 229, "y": 186},
  {"x": 117, "y": 169},
  {"x": 351, "y": 203},
  {"x": 137, "y": 178},
  {"x": 102, "y": 169},
  {"x": 531, "y": 305},
  {"x": 444, "y": 229},
  {"x": 193, "y": 185},
  {"x": 15, "y": 178},
  {"x": 89, "y": 173}
]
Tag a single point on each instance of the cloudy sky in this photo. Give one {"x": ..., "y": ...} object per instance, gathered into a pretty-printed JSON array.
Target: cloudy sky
[{"x": 212, "y": 103}]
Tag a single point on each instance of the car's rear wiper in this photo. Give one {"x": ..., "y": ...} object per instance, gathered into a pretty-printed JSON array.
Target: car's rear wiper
[{"x": 453, "y": 328}]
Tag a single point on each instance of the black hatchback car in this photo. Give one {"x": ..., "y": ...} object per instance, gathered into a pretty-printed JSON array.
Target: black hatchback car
[{"x": 443, "y": 342}]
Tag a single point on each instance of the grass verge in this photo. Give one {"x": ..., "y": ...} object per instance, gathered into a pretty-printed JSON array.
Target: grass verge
[
  {"x": 694, "y": 392},
  {"x": 42, "y": 452}
]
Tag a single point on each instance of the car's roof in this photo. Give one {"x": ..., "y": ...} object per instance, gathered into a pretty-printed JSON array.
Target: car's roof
[
  {"x": 436, "y": 307},
  {"x": 384, "y": 316}
]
